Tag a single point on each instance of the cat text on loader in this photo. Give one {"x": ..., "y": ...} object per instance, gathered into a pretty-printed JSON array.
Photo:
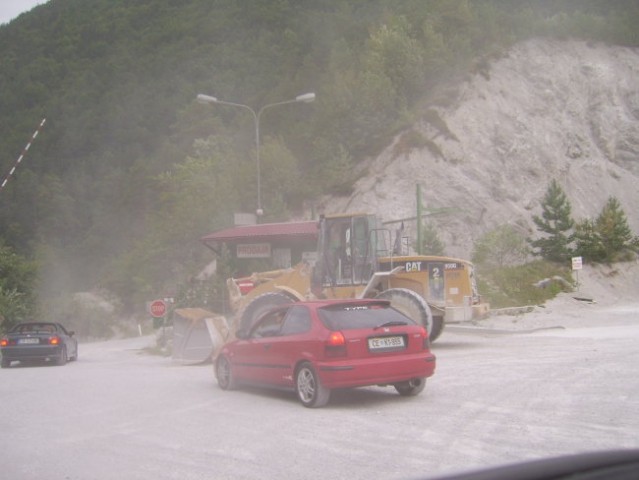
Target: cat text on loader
[{"x": 356, "y": 258}]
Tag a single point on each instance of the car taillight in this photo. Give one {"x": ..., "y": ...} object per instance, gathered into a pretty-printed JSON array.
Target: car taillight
[
  {"x": 426, "y": 340},
  {"x": 335, "y": 345},
  {"x": 54, "y": 340},
  {"x": 4, "y": 342}
]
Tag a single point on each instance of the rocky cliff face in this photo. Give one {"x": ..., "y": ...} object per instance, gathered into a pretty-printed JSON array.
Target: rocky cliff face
[{"x": 547, "y": 109}]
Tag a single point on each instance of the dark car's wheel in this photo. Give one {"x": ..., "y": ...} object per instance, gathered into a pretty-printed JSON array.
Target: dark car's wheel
[
  {"x": 62, "y": 357},
  {"x": 6, "y": 363},
  {"x": 411, "y": 388},
  {"x": 224, "y": 374},
  {"x": 75, "y": 355},
  {"x": 310, "y": 390}
]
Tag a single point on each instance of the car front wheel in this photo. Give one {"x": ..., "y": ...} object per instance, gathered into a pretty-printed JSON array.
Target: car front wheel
[
  {"x": 309, "y": 388},
  {"x": 411, "y": 388}
]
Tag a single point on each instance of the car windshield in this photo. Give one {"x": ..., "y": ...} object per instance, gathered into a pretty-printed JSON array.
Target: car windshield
[{"x": 356, "y": 316}]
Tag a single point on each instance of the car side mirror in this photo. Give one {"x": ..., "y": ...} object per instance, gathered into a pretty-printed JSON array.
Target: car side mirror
[{"x": 71, "y": 333}]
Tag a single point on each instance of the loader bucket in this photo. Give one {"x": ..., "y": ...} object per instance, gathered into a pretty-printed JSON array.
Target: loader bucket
[{"x": 198, "y": 335}]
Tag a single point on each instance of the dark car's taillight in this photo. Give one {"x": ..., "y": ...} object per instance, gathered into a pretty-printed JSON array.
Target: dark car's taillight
[
  {"x": 335, "y": 345},
  {"x": 54, "y": 341},
  {"x": 4, "y": 342}
]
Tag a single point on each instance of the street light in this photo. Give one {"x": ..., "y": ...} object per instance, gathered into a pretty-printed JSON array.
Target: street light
[{"x": 207, "y": 99}]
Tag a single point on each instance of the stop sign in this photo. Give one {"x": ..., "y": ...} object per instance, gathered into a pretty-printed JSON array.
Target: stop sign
[{"x": 158, "y": 308}]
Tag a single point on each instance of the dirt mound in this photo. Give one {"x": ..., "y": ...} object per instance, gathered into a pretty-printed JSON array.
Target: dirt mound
[{"x": 608, "y": 284}]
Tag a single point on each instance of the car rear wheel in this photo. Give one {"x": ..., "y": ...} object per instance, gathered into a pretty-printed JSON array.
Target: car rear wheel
[
  {"x": 6, "y": 363},
  {"x": 309, "y": 388},
  {"x": 224, "y": 374},
  {"x": 411, "y": 388},
  {"x": 62, "y": 358}
]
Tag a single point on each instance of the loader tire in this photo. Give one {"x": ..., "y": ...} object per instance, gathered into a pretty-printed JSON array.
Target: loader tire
[
  {"x": 438, "y": 327},
  {"x": 410, "y": 304},
  {"x": 260, "y": 305}
]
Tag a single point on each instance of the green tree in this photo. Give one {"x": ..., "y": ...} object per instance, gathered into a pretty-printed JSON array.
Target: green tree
[
  {"x": 18, "y": 277},
  {"x": 334, "y": 173},
  {"x": 392, "y": 51},
  {"x": 502, "y": 246},
  {"x": 555, "y": 223},
  {"x": 587, "y": 242},
  {"x": 431, "y": 243},
  {"x": 608, "y": 237},
  {"x": 612, "y": 227},
  {"x": 198, "y": 196}
]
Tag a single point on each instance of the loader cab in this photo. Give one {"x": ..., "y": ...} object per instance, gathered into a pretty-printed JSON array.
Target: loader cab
[{"x": 346, "y": 251}]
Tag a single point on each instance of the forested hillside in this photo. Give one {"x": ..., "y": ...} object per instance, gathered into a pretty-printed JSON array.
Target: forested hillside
[{"x": 129, "y": 170}]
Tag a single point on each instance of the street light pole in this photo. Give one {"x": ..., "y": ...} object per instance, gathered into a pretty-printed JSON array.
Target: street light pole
[{"x": 207, "y": 99}]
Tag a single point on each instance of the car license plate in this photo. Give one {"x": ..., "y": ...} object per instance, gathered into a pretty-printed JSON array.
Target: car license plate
[
  {"x": 28, "y": 341},
  {"x": 379, "y": 343}
]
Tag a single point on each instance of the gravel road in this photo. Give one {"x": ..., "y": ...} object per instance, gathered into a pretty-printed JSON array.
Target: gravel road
[{"x": 505, "y": 390}]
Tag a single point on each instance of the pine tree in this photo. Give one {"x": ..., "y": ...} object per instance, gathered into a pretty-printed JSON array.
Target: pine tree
[
  {"x": 608, "y": 236},
  {"x": 613, "y": 230},
  {"x": 588, "y": 243},
  {"x": 555, "y": 222}
]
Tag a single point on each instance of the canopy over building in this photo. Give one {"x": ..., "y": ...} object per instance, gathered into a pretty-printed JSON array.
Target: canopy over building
[{"x": 283, "y": 243}]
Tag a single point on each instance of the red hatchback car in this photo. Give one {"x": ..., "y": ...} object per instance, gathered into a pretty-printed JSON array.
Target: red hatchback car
[{"x": 316, "y": 346}]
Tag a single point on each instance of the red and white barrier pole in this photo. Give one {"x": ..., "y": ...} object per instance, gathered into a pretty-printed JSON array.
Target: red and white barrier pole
[{"x": 24, "y": 152}]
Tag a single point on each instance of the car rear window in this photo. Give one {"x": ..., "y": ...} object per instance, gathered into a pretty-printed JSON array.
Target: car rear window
[
  {"x": 35, "y": 328},
  {"x": 350, "y": 317}
]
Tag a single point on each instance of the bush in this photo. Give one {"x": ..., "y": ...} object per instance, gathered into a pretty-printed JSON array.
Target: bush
[{"x": 515, "y": 286}]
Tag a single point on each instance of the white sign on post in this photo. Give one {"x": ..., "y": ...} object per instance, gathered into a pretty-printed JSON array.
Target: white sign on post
[{"x": 576, "y": 263}]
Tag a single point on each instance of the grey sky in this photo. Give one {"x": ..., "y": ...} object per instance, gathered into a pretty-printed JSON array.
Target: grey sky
[{"x": 10, "y": 9}]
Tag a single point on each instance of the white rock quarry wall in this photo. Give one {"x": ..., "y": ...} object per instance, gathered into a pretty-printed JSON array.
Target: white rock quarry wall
[{"x": 548, "y": 109}]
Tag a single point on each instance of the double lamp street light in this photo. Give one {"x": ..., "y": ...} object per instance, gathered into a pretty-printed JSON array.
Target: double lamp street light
[{"x": 207, "y": 99}]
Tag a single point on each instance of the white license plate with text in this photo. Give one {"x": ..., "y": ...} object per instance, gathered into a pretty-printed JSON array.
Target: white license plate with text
[{"x": 385, "y": 342}]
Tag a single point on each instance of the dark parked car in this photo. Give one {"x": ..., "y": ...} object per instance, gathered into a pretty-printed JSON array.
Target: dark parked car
[
  {"x": 38, "y": 341},
  {"x": 314, "y": 347}
]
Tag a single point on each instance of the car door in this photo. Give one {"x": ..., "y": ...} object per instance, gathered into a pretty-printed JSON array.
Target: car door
[
  {"x": 252, "y": 357},
  {"x": 291, "y": 344}
]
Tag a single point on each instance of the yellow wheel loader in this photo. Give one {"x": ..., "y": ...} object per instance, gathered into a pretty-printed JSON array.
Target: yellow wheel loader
[{"x": 357, "y": 258}]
